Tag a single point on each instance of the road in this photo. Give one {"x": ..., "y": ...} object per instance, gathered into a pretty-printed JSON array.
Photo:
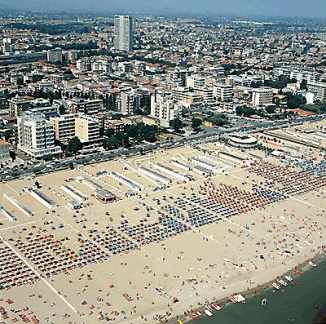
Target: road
[{"x": 208, "y": 135}]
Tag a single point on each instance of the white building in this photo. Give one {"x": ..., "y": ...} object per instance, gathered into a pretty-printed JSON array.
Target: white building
[
  {"x": 7, "y": 46},
  {"x": 85, "y": 106},
  {"x": 318, "y": 89},
  {"x": 68, "y": 126},
  {"x": 207, "y": 94},
  {"x": 64, "y": 127},
  {"x": 4, "y": 150},
  {"x": 195, "y": 81},
  {"x": 129, "y": 102},
  {"x": 262, "y": 97},
  {"x": 54, "y": 55},
  {"x": 101, "y": 66},
  {"x": 83, "y": 64},
  {"x": 186, "y": 97},
  {"x": 310, "y": 97},
  {"x": 72, "y": 56},
  {"x": 163, "y": 108},
  {"x": 87, "y": 129},
  {"x": 36, "y": 136},
  {"x": 223, "y": 92},
  {"x": 123, "y": 33}
]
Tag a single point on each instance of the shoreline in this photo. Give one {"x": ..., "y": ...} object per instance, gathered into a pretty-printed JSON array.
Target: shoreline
[{"x": 296, "y": 272}]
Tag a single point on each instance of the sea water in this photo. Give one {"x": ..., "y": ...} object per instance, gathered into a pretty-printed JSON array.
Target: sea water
[{"x": 302, "y": 302}]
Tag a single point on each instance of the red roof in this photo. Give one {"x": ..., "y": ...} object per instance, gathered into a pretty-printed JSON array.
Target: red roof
[{"x": 301, "y": 112}]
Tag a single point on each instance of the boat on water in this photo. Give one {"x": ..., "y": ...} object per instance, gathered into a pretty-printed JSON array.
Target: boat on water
[
  {"x": 208, "y": 313},
  {"x": 289, "y": 278},
  {"x": 276, "y": 286},
  {"x": 215, "y": 306},
  {"x": 312, "y": 264},
  {"x": 237, "y": 299},
  {"x": 195, "y": 314},
  {"x": 282, "y": 282},
  {"x": 264, "y": 302}
]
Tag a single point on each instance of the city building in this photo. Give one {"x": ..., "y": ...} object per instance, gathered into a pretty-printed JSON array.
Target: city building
[
  {"x": 207, "y": 94},
  {"x": 64, "y": 127},
  {"x": 262, "y": 97},
  {"x": 128, "y": 102},
  {"x": 54, "y": 56},
  {"x": 4, "y": 151},
  {"x": 242, "y": 141},
  {"x": 7, "y": 46},
  {"x": 83, "y": 64},
  {"x": 85, "y": 106},
  {"x": 36, "y": 136},
  {"x": 18, "y": 105},
  {"x": 195, "y": 81},
  {"x": 72, "y": 56},
  {"x": 87, "y": 129},
  {"x": 163, "y": 108},
  {"x": 187, "y": 98},
  {"x": 117, "y": 126},
  {"x": 223, "y": 92},
  {"x": 123, "y": 33},
  {"x": 318, "y": 89}
]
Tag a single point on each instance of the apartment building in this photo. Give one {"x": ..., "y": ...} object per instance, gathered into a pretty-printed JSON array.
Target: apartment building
[
  {"x": 163, "y": 108},
  {"x": 4, "y": 151},
  {"x": 223, "y": 92},
  {"x": 85, "y": 106},
  {"x": 18, "y": 105},
  {"x": 36, "y": 136},
  {"x": 87, "y": 129},
  {"x": 262, "y": 97},
  {"x": 123, "y": 33},
  {"x": 128, "y": 102},
  {"x": 318, "y": 89},
  {"x": 186, "y": 97},
  {"x": 54, "y": 56},
  {"x": 64, "y": 127}
]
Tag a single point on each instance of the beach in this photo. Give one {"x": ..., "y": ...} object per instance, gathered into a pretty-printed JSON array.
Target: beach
[
  {"x": 302, "y": 302},
  {"x": 187, "y": 227}
]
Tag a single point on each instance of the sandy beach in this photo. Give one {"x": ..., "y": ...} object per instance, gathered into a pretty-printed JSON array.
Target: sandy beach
[{"x": 199, "y": 226}]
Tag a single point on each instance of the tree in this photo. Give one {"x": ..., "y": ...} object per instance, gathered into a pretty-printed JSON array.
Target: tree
[
  {"x": 176, "y": 124},
  {"x": 12, "y": 155},
  {"x": 245, "y": 111},
  {"x": 74, "y": 145},
  {"x": 133, "y": 132},
  {"x": 295, "y": 101},
  {"x": 62, "y": 110},
  {"x": 218, "y": 119},
  {"x": 303, "y": 85},
  {"x": 109, "y": 132},
  {"x": 196, "y": 124},
  {"x": 184, "y": 112},
  {"x": 122, "y": 139},
  {"x": 256, "y": 84},
  {"x": 150, "y": 133},
  {"x": 270, "y": 109}
]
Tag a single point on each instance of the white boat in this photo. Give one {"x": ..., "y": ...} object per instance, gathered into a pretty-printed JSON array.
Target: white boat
[
  {"x": 276, "y": 286},
  {"x": 216, "y": 306},
  {"x": 264, "y": 302},
  {"x": 282, "y": 282},
  {"x": 312, "y": 264},
  {"x": 237, "y": 299},
  {"x": 289, "y": 278},
  {"x": 208, "y": 313}
]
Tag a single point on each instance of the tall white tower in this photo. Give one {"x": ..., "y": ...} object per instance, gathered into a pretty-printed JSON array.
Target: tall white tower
[{"x": 123, "y": 33}]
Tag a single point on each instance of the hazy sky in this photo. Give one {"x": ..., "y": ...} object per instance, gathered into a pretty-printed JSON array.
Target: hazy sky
[{"x": 309, "y": 8}]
